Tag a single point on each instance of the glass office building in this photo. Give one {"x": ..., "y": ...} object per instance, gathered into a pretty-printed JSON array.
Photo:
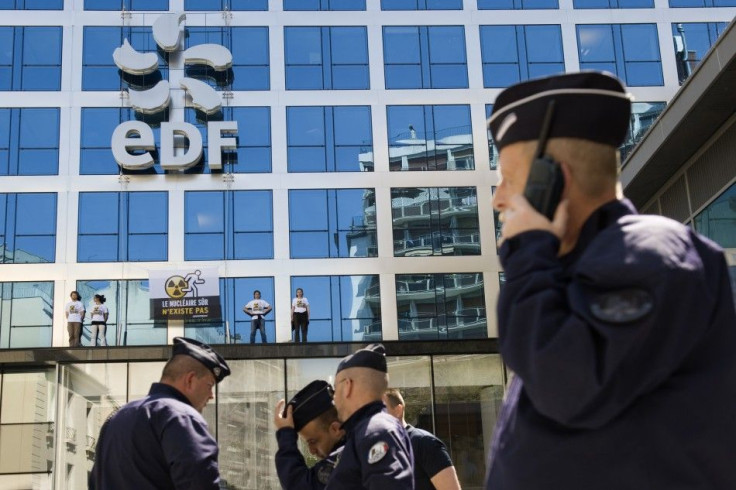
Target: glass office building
[{"x": 361, "y": 172}]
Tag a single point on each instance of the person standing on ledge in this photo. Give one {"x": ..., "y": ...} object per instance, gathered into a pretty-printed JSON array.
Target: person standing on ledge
[
  {"x": 162, "y": 440},
  {"x": 300, "y": 315},
  {"x": 257, "y": 309},
  {"x": 619, "y": 327},
  {"x": 377, "y": 453},
  {"x": 74, "y": 312}
]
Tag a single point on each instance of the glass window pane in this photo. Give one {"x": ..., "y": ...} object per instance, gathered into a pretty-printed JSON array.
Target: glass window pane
[
  {"x": 252, "y": 211},
  {"x": 349, "y": 45},
  {"x": 468, "y": 394},
  {"x": 303, "y": 45},
  {"x": 447, "y": 44},
  {"x": 401, "y": 45},
  {"x": 640, "y": 42},
  {"x": 308, "y": 210},
  {"x": 39, "y": 128},
  {"x": 595, "y": 43},
  {"x": 36, "y": 214},
  {"x": 98, "y": 212},
  {"x": 204, "y": 212},
  {"x": 98, "y": 248},
  {"x": 144, "y": 248},
  {"x": 718, "y": 220},
  {"x": 306, "y": 126},
  {"x": 148, "y": 212}
]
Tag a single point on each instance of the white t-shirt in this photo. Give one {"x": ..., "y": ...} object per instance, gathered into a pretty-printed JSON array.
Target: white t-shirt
[
  {"x": 300, "y": 304},
  {"x": 257, "y": 306},
  {"x": 75, "y": 310},
  {"x": 97, "y": 312}
]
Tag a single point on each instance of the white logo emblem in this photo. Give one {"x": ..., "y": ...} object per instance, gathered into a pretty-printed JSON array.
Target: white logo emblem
[
  {"x": 377, "y": 452},
  {"x": 133, "y": 136},
  {"x": 505, "y": 125}
]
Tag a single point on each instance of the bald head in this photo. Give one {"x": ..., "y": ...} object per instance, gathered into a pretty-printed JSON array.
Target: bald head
[
  {"x": 356, "y": 387},
  {"x": 178, "y": 366}
]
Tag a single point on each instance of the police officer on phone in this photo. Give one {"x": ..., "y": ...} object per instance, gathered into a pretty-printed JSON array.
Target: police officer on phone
[
  {"x": 619, "y": 327},
  {"x": 311, "y": 415},
  {"x": 377, "y": 453}
]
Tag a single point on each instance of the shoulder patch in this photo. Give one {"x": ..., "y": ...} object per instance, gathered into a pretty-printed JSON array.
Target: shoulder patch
[
  {"x": 377, "y": 452},
  {"x": 324, "y": 472},
  {"x": 622, "y": 306}
]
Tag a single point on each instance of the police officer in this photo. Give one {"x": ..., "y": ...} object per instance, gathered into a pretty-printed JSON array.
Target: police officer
[
  {"x": 620, "y": 327},
  {"x": 310, "y": 414},
  {"x": 377, "y": 453},
  {"x": 162, "y": 441},
  {"x": 433, "y": 468}
]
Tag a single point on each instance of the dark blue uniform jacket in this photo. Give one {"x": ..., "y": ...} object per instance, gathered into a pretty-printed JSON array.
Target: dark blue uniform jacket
[
  {"x": 292, "y": 469},
  {"x": 158, "y": 442},
  {"x": 430, "y": 457},
  {"x": 377, "y": 453},
  {"x": 625, "y": 348}
]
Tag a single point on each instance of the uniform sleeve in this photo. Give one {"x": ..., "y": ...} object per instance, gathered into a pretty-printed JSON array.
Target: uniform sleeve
[
  {"x": 431, "y": 455},
  {"x": 290, "y": 465},
  {"x": 584, "y": 351},
  {"x": 191, "y": 453},
  {"x": 386, "y": 461}
]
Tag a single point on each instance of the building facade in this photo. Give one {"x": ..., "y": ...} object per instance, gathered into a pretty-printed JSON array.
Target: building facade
[{"x": 344, "y": 151}]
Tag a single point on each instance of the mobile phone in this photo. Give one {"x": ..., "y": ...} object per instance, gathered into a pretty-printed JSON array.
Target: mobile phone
[
  {"x": 544, "y": 186},
  {"x": 545, "y": 183}
]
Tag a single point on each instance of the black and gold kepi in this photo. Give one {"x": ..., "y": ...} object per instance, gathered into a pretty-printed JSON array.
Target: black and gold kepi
[{"x": 589, "y": 105}]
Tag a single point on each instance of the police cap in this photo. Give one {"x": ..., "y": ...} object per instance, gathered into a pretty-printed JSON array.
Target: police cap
[
  {"x": 204, "y": 354},
  {"x": 372, "y": 356},
  {"x": 589, "y": 105},
  {"x": 312, "y": 401}
]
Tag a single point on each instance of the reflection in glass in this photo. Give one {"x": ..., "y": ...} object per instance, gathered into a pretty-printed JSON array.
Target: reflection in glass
[
  {"x": 492, "y": 149},
  {"x": 308, "y": 5},
  {"x": 27, "y": 228},
  {"x": 234, "y": 328},
  {"x": 342, "y": 308},
  {"x": 430, "y": 138},
  {"x": 630, "y": 51},
  {"x": 413, "y": 377},
  {"x": 245, "y": 402},
  {"x": 468, "y": 393},
  {"x": 718, "y": 220},
  {"x": 512, "y": 54},
  {"x": 424, "y": 57},
  {"x": 129, "y": 322},
  {"x": 225, "y": 5},
  {"x": 516, "y": 4},
  {"x": 99, "y": 71},
  {"x": 29, "y": 141},
  {"x": 323, "y": 58},
  {"x": 441, "y": 306},
  {"x": 27, "y": 417},
  {"x": 332, "y": 223},
  {"x": 643, "y": 115},
  {"x": 228, "y": 225},
  {"x": 329, "y": 139},
  {"x": 421, "y": 5},
  {"x": 435, "y": 221},
  {"x": 696, "y": 38},
  {"x": 31, "y": 58},
  {"x": 123, "y": 226},
  {"x": 26, "y": 314},
  {"x": 249, "y": 47},
  {"x": 89, "y": 394}
]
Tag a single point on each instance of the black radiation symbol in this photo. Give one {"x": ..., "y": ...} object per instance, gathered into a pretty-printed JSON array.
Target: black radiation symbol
[{"x": 174, "y": 287}]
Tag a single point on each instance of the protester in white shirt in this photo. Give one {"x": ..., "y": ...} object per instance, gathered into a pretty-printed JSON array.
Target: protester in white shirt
[
  {"x": 300, "y": 315},
  {"x": 98, "y": 315},
  {"x": 257, "y": 309},
  {"x": 74, "y": 317}
]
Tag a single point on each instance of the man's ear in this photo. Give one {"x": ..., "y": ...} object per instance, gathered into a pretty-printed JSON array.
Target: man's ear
[{"x": 334, "y": 428}]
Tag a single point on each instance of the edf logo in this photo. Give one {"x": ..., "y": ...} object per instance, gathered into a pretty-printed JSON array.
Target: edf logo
[{"x": 137, "y": 136}]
